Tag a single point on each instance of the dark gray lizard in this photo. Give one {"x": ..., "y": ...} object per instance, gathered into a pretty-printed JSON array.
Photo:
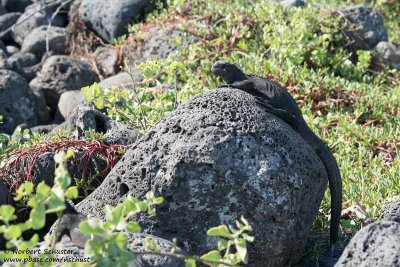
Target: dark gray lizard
[{"x": 276, "y": 100}]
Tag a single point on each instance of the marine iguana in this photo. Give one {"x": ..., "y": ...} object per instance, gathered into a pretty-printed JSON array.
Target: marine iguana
[{"x": 276, "y": 100}]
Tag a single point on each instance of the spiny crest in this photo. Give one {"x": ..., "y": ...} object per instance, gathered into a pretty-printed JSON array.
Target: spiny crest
[{"x": 225, "y": 64}]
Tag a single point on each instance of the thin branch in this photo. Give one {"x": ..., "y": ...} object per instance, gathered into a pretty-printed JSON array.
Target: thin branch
[
  {"x": 43, "y": 7},
  {"x": 63, "y": 4}
]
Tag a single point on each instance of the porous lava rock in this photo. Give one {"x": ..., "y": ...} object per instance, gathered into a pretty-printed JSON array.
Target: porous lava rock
[
  {"x": 159, "y": 43},
  {"x": 22, "y": 60},
  {"x": 16, "y": 5},
  {"x": 34, "y": 16},
  {"x": 391, "y": 212},
  {"x": 220, "y": 156},
  {"x": 69, "y": 102},
  {"x": 17, "y": 102},
  {"x": 294, "y": 3},
  {"x": 107, "y": 60},
  {"x": 115, "y": 133},
  {"x": 2, "y": 10},
  {"x": 60, "y": 74},
  {"x": 35, "y": 42},
  {"x": 388, "y": 54},
  {"x": 6, "y": 21},
  {"x": 109, "y": 18},
  {"x": 377, "y": 244},
  {"x": 369, "y": 24}
]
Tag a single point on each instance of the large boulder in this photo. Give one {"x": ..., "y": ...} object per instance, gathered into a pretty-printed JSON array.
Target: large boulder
[
  {"x": 60, "y": 74},
  {"x": 69, "y": 102},
  {"x": 216, "y": 158},
  {"x": 6, "y": 21},
  {"x": 35, "y": 42},
  {"x": 12, "y": 49},
  {"x": 22, "y": 60},
  {"x": 389, "y": 54},
  {"x": 371, "y": 32},
  {"x": 391, "y": 212},
  {"x": 4, "y": 64},
  {"x": 2, "y": 10},
  {"x": 16, "y": 5},
  {"x": 107, "y": 60},
  {"x": 294, "y": 3},
  {"x": 120, "y": 80},
  {"x": 158, "y": 44},
  {"x": 83, "y": 119},
  {"x": 109, "y": 18},
  {"x": 377, "y": 244},
  {"x": 35, "y": 15},
  {"x": 17, "y": 102},
  {"x": 2, "y": 46}
]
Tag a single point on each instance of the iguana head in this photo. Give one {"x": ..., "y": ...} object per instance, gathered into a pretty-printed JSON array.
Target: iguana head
[{"x": 230, "y": 73}]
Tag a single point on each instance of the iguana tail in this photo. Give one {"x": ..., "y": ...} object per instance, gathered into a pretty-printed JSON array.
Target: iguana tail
[{"x": 335, "y": 181}]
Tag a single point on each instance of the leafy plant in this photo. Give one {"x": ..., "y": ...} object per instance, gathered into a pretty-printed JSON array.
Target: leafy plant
[
  {"x": 142, "y": 106},
  {"x": 46, "y": 200}
]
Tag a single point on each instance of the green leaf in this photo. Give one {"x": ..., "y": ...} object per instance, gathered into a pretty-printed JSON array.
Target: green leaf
[
  {"x": 171, "y": 67},
  {"x": 159, "y": 200},
  {"x": 149, "y": 195},
  {"x": 222, "y": 244},
  {"x": 133, "y": 227},
  {"x": 113, "y": 249},
  {"x": 126, "y": 256},
  {"x": 100, "y": 103},
  {"x": 7, "y": 213},
  {"x": 221, "y": 230},
  {"x": 114, "y": 215},
  {"x": 43, "y": 190},
  {"x": 92, "y": 247},
  {"x": 121, "y": 240},
  {"x": 55, "y": 204},
  {"x": 190, "y": 263},
  {"x": 33, "y": 241},
  {"x": 85, "y": 89},
  {"x": 240, "y": 245},
  {"x": 70, "y": 153},
  {"x": 38, "y": 216},
  {"x": 25, "y": 225},
  {"x": 212, "y": 255},
  {"x": 24, "y": 189},
  {"x": 71, "y": 193},
  {"x": 92, "y": 227},
  {"x": 12, "y": 231},
  {"x": 131, "y": 205},
  {"x": 34, "y": 201},
  {"x": 148, "y": 73}
]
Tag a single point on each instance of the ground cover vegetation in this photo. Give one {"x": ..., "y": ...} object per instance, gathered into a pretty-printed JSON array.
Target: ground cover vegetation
[{"x": 352, "y": 108}]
